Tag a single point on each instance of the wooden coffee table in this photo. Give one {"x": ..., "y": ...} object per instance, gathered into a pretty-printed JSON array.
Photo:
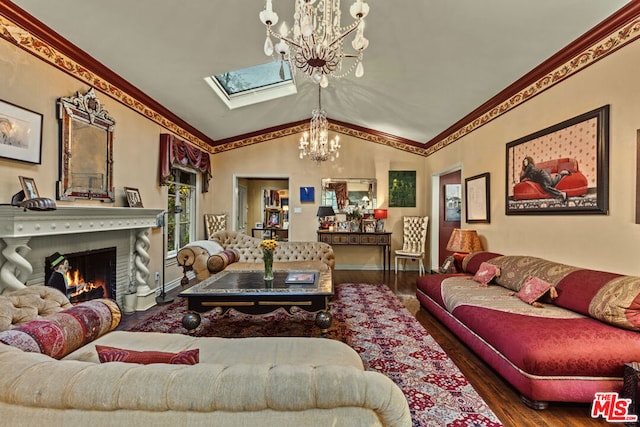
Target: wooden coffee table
[{"x": 248, "y": 292}]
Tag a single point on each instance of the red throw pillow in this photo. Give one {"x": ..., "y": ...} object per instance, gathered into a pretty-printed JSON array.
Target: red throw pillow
[
  {"x": 533, "y": 289},
  {"x": 486, "y": 273},
  {"x": 113, "y": 354}
]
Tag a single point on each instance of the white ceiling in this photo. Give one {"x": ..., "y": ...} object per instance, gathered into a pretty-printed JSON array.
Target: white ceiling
[{"x": 429, "y": 62}]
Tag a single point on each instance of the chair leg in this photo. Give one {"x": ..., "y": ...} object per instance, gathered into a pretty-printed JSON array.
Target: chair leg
[
  {"x": 420, "y": 267},
  {"x": 396, "y": 259}
]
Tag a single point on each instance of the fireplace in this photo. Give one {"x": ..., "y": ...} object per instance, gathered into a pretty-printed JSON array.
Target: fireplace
[{"x": 91, "y": 275}]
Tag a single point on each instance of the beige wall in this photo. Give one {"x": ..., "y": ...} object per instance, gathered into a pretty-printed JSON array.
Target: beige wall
[
  {"x": 358, "y": 159},
  {"x": 609, "y": 242}
]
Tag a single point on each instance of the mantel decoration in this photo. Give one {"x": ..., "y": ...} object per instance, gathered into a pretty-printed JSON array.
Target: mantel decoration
[
  {"x": 315, "y": 44},
  {"x": 268, "y": 246},
  {"x": 315, "y": 144}
]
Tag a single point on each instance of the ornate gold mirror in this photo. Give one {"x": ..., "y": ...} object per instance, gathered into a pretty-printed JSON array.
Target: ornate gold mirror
[{"x": 86, "y": 165}]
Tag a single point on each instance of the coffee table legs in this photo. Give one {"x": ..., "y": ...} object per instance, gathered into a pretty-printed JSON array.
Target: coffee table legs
[
  {"x": 323, "y": 321},
  {"x": 191, "y": 321}
]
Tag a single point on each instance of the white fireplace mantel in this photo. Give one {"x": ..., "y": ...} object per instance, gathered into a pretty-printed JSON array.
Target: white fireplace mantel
[
  {"x": 16, "y": 222},
  {"x": 18, "y": 226}
]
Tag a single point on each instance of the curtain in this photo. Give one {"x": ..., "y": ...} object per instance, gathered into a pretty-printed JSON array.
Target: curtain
[{"x": 174, "y": 151}]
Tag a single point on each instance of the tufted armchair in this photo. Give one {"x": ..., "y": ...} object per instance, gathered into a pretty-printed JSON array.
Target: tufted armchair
[
  {"x": 287, "y": 256},
  {"x": 214, "y": 222},
  {"x": 30, "y": 303},
  {"x": 414, "y": 234}
]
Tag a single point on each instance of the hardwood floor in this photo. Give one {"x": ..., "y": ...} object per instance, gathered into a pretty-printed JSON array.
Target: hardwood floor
[{"x": 499, "y": 395}]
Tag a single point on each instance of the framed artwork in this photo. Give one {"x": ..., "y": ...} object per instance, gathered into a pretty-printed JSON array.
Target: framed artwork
[
  {"x": 402, "y": 189},
  {"x": 273, "y": 217},
  {"x": 20, "y": 133},
  {"x": 133, "y": 197},
  {"x": 563, "y": 169},
  {"x": 380, "y": 226},
  {"x": 452, "y": 202},
  {"x": 476, "y": 198},
  {"x": 29, "y": 188},
  {"x": 369, "y": 225},
  {"x": 307, "y": 195},
  {"x": 258, "y": 225}
]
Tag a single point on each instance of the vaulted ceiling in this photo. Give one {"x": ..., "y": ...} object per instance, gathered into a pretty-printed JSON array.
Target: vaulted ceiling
[{"x": 430, "y": 63}]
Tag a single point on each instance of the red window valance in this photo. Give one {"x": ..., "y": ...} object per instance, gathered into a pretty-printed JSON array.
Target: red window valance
[{"x": 174, "y": 151}]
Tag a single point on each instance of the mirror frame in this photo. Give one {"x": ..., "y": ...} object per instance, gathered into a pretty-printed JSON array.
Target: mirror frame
[
  {"x": 88, "y": 110},
  {"x": 369, "y": 181}
]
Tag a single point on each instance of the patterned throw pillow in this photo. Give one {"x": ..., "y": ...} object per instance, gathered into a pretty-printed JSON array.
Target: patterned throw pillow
[
  {"x": 113, "y": 354},
  {"x": 533, "y": 289},
  {"x": 486, "y": 273}
]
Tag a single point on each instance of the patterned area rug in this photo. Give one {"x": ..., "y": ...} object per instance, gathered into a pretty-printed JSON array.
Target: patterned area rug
[{"x": 370, "y": 319}]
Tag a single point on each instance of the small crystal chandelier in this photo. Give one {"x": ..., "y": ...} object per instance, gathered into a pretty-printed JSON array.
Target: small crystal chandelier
[
  {"x": 315, "y": 45},
  {"x": 315, "y": 144}
]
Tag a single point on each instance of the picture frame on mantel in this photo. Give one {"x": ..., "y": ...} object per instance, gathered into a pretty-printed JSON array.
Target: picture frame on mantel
[
  {"x": 563, "y": 169},
  {"x": 133, "y": 197},
  {"x": 476, "y": 199},
  {"x": 20, "y": 133}
]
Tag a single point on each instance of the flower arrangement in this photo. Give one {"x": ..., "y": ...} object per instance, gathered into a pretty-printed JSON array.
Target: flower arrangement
[
  {"x": 268, "y": 246},
  {"x": 353, "y": 212}
]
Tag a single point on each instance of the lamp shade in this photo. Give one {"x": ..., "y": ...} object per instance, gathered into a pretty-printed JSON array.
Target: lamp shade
[
  {"x": 465, "y": 241},
  {"x": 325, "y": 211},
  {"x": 380, "y": 213}
]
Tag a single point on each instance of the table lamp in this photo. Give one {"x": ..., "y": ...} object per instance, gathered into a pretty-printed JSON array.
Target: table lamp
[
  {"x": 323, "y": 213},
  {"x": 463, "y": 242},
  {"x": 380, "y": 215}
]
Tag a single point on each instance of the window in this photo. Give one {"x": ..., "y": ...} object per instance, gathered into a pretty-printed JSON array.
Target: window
[{"x": 181, "y": 208}]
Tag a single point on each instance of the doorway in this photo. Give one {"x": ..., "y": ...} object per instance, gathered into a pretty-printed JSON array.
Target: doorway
[
  {"x": 446, "y": 208},
  {"x": 255, "y": 194}
]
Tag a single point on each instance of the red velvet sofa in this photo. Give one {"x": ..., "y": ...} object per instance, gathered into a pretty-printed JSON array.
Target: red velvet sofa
[
  {"x": 564, "y": 350},
  {"x": 575, "y": 184}
]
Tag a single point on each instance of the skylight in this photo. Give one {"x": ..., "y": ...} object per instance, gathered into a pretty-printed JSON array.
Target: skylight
[{"x": 254, "y": 84}]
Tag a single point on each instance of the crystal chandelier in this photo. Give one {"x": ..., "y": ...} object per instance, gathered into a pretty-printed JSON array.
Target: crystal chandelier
[
  {"x": 315, "y": 45},
  {"x": 315, "y": 144}
]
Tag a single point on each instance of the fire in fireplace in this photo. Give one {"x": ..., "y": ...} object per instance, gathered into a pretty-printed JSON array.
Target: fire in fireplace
[{"x": 91, "y": 274}]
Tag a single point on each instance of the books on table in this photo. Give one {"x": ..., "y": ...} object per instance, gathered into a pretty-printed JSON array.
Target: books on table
[{"x": 300, "y": 278}]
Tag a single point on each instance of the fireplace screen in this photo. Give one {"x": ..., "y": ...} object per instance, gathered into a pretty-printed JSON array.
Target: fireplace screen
[{"x": 91, "y": 274}]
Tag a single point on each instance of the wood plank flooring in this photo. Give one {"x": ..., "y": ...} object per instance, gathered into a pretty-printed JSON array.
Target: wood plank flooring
[{"x": 499, "y": 395}]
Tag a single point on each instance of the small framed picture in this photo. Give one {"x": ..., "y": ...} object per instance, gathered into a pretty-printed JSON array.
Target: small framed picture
[
  {"x": 307, "y": 195},
  {"x": 448, "y": 266},
  {"x": 29, "y": 188},
  {"x": 259, "y": 225},
  {"x": 273, "y": 217},
  {"x": 380, "y": 226},
  {"x": 369, "y": 225},
  {"x": 133, "y": 197}
]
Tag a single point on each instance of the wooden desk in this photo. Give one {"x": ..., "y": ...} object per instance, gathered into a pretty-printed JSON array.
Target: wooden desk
[
  {"x": 382, "y": 239},
  {"x": 281, "y": 234}
]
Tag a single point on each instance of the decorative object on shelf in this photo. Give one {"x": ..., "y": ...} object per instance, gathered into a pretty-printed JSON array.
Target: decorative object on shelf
[
  {"x": 307, "y": 194},
  {"x": 268, "y": 246},
  {"x": 315, "y": 43},
  {"x": 476, "y": 198},
  {"x": 402, "y": 189},
  {"x": 86, "y": 166},
  {"x": 380, "y": 215},
  {"x": 323, "y": 213},
  {"x": 20, "y": 133},
  {"x": 463, "y": 242},
  {"x": 133, "y": 197},
  {"x": 551, "y": 172},
  {"x": 315, "y": 144},
  {"x": 29, "y": 198},
  {"x": 369, "y": 225}
]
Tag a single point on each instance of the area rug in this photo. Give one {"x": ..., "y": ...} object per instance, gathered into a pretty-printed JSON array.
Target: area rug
[{"x": 371, "y": 320}]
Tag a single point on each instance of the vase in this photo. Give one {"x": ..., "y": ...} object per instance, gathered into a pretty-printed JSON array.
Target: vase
[{"x": 267, "y": 256}]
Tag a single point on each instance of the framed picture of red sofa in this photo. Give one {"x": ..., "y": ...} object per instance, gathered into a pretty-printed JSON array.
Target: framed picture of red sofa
[{"x": 563, "y": 169}]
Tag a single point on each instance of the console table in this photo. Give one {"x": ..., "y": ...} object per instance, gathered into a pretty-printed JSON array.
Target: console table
[{"x": 382, "y": 239}]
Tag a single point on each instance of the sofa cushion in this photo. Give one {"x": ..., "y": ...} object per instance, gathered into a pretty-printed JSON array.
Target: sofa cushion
[
  {"x": 516, "y": 269},
  {"x": 221, "y": 260},
  {"x": 532, "y": 290},
  {"x": 486, "y": 273},
  {"x": 63, "y": 332},
  {"x": 471, "y": 263},
  {"x": 115, "y": 354}
]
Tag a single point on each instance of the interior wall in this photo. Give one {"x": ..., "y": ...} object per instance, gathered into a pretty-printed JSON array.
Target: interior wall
[
  {"x": 358, "y": 159},
  {"x": 30, "y": 83},
  {"x": 606, "y": 242}
]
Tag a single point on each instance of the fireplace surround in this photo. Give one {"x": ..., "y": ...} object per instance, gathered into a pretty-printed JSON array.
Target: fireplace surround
[{"x": 30, "y": 236}]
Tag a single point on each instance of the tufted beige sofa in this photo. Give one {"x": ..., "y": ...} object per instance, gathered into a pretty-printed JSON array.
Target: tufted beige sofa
[
  {"x": 287, "y": 256},
  {"x": 242, "y": 381}
]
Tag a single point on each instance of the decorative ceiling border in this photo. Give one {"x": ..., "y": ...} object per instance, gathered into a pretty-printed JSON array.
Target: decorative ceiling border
[{"x": 22, "y": 37}]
